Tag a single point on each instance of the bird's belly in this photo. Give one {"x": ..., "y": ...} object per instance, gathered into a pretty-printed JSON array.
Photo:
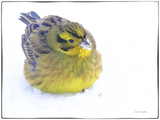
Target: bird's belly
[
  {"x": 61, "y": 83},
  {"x": 67, "y": 85},
  {"x": 58, "y": 81}
]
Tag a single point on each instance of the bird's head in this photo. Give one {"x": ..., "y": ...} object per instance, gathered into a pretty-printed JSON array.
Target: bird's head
[{"x": 72, "y": 40}]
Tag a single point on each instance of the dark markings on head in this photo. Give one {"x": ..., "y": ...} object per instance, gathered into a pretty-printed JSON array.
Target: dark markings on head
[
  {"x": 72, "y": 33},
  {"x": 72, "y": 30},
  {"x": 60, "y": 40}
]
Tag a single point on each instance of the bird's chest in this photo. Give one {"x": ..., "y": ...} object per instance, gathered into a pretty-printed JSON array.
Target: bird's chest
[{"x": 67, "y": 67}]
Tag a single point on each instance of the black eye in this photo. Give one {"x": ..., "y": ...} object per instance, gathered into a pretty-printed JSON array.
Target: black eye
[{"x": 71, "y": 41}]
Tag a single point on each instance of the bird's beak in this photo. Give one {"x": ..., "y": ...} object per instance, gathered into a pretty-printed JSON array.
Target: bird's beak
[{"x": 85, "y": 44}]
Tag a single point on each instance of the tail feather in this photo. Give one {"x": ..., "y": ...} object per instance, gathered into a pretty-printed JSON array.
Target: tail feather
[
  {"x": 29, "y": 17},
  {"x": 24, "y": 20},
  {"x": 33, "y": 14}
]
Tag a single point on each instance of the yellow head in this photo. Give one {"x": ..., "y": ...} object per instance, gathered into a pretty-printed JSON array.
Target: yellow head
[{"x": 71, "y": 39}]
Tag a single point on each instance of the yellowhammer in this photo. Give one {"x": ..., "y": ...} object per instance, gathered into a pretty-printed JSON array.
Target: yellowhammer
[{"x": 61, "y": 55}]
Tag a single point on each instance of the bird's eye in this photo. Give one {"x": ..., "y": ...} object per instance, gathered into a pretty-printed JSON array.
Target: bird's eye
[{"x": 71, "y": 41}]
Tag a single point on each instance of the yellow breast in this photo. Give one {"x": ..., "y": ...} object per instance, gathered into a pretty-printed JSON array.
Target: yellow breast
[{"x": 63, "y": 74}]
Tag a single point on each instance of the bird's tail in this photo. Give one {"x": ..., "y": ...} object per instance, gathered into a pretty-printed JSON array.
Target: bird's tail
[{"x": 29, "y": 17}]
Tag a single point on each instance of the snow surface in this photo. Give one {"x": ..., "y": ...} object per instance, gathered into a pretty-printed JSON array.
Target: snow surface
[{"x": 126, "y": 36}]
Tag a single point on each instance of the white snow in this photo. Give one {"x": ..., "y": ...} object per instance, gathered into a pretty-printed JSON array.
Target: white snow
[{"x": 126, "y": 36}]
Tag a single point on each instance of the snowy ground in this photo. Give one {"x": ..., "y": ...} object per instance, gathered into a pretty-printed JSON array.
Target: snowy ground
[{"x": 126, "y": 36}]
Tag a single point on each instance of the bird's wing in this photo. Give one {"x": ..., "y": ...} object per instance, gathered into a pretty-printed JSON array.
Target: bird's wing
[{"x": 31, "y": 20}]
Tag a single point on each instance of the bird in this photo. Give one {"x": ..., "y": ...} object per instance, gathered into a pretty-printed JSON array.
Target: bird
[{"x": 61, "y": 55}]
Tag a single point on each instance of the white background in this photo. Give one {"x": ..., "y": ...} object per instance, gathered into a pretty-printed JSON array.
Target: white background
[{"x": 126, "y": 36}]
